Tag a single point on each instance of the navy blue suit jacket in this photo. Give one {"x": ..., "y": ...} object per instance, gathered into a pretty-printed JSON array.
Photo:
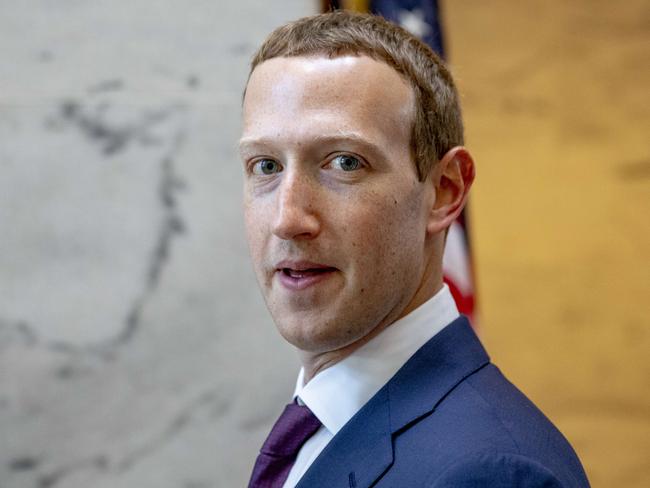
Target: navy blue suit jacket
[{"x": 448, "y": 418}]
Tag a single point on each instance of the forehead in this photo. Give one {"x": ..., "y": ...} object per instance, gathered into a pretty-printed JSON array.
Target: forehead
[{"x": 348, "y": 94}]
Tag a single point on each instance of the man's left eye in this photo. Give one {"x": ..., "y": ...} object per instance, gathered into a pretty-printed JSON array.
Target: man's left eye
[{"x": 346, "y": 162}]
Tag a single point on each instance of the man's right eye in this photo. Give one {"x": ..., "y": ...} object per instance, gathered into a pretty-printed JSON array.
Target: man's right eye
[{"x": 266, "y": 167}]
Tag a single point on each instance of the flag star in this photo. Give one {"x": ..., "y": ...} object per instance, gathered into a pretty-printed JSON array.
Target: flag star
[{"x": 413, "y": 21}]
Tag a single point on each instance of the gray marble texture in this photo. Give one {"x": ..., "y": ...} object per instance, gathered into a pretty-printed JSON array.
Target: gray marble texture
[{"x": 135, "y": 349}]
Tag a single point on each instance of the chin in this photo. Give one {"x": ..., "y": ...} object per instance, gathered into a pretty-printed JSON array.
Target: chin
[{"x": 321, "y": 337}]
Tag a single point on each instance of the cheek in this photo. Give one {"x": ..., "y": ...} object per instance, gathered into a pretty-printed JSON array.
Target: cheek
[
  {"x": 389, "y": 237},
  {"x": 256, "y": 213},
  {"x": 254, "y": 224}
]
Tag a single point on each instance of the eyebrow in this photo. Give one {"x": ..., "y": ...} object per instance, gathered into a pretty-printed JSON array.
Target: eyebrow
[{"x": 247, "y": 144}]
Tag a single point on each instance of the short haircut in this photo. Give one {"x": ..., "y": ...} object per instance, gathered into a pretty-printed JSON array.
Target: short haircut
[{"x": 437, "y": 124}]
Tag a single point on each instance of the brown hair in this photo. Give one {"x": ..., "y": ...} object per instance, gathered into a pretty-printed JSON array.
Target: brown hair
[{"x": 438, "y": 124}]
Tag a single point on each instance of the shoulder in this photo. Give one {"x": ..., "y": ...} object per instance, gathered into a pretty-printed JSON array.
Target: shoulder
[
  {"x": 485, "y": 432},
  {"x": 523, "y": 443},
  {"x": 486, "y": 411},
  {"x": 532, "y": 433},
  {"x": 494, "y": 470}
]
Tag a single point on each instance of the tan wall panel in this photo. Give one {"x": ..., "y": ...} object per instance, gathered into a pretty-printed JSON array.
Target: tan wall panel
[{"x": 556, "y": 106}]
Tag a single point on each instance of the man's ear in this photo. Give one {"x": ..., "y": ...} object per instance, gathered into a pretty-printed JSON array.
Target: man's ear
[{"x": 452, "y": 178}]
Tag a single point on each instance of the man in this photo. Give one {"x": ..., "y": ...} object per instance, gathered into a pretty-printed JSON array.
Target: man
[{"x": 354, "y": 170}]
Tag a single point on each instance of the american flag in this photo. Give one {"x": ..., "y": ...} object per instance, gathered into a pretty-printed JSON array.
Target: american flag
[{"x": 422, "y": 18}]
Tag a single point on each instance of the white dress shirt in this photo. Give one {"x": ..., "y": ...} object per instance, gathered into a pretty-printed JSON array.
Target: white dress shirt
[{"x": 337, "y": 393}]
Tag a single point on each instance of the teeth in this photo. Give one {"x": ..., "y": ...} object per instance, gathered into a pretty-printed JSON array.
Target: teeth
[{"x": 301, "y": 273}]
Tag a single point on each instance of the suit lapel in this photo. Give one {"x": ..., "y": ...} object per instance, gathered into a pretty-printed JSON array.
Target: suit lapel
[
  {"x": 363, "y": 449},
  {"x": 359, "y": 453},
  {"x": 442, "y": 363}
]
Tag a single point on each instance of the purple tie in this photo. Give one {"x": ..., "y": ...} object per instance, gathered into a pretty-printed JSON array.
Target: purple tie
[{"x": 290, "y": 432}]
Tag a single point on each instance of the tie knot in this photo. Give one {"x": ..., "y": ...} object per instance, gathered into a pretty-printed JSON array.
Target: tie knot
[{"x": 296, "y": 424}]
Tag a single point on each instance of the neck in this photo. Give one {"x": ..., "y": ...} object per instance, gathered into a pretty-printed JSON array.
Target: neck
[{"x": 314, "y": 363}]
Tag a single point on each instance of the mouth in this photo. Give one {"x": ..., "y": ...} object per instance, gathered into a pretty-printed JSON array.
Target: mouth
[
  {"x": 301, "y": 275},
  {"x": 304, "y": 273}
]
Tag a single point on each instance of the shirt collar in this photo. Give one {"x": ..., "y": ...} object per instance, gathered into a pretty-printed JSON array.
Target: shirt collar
[{"x": 337, "y": 393}]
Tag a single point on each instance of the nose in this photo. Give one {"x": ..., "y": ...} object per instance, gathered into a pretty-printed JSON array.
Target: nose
[{"x": 297, "y": 212}]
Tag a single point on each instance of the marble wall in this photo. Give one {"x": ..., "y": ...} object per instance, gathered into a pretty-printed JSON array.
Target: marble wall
[{"x": 135, "y": 349}]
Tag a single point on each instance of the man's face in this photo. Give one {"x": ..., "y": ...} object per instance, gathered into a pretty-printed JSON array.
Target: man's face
[{"x": 335, "y": 215}]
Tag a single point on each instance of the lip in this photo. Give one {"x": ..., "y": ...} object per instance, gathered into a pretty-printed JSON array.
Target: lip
[{"x": 301, "y": 274}]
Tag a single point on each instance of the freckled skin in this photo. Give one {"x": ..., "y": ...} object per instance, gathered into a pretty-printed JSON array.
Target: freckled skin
[{"x": 373, "y": 224}]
